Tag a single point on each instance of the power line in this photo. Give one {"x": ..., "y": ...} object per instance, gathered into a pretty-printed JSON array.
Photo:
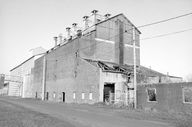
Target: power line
[
  {"x": 157, "y": 36},
  {"x": 165, "y": 20},
  {"x": 153, "y": 23},
  {"x": 168, "y": 34}
]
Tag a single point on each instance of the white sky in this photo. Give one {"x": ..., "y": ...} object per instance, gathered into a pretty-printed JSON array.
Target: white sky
[{"x": 26, "y": 24}]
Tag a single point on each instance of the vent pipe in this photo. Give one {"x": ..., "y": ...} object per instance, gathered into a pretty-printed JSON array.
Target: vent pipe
[
  {"x": 55, "y": 39},
  {"x": 94, "y": 12},
  {"x": 86, "y": 21},
  {"x": 79, "y": 33},
  {"x": 68, "y": 29},
  {"x": 60, "y": 38},
  {"x": 107, "y": 16},
  {"x": 98, "y": 20},
  {"x": 74, "y": 25}
]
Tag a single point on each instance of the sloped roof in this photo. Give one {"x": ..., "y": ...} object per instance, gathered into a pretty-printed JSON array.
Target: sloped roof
[
  {"x": 121, "y": 14},
  {"x": 112, "y": 67},
  {"x": 22, "y": 63},
  {"x": 149, "y": 72}
]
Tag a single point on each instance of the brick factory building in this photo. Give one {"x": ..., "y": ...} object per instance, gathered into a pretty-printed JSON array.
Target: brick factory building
[
  {"x": 93, "y": 64},
  {"x": 90, "y": 64}
]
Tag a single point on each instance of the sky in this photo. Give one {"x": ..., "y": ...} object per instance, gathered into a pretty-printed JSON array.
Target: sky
[{"x": 27, "y": 24}]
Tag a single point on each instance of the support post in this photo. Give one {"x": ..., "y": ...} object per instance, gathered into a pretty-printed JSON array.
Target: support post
[
  {"x": 134, "y": 66},
  {"x": 44, "y": 78}
]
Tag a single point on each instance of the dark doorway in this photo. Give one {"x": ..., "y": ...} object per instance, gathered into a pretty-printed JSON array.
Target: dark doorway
[
  {"x": 63, "y": 96},
  {"x": 108, "y": 88},
  {"x": 47, "y": 95},
  {"x": 36, "y": 95}
]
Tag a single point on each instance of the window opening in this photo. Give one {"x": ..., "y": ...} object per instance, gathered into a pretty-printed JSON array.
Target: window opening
[{"x": 151, "y": 92}]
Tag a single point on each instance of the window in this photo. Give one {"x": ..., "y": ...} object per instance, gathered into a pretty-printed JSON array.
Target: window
[
  {"x": 151, "y": 92},
  {"x": 90, "y": 96},
  {"x": 83, "y": 96},
  {"x": 54, "y": 94},
  {"x": 74, "y": 95},
  {"x": 187, "y": 95}
]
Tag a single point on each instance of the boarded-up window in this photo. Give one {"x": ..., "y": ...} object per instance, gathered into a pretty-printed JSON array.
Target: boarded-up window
[
  {"x": 151, "y": 92},
  {"x": 187, "y": 95}
]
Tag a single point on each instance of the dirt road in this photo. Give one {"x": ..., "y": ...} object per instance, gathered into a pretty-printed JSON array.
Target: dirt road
[{"x": 81, "y": 115}]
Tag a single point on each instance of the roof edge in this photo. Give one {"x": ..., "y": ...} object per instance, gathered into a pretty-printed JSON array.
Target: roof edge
[
  {"x": 22, "y": 63},
  {"x": 117, "y": 16}
]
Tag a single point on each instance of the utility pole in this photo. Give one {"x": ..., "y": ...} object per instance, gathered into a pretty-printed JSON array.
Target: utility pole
[
  {"x": 44, "y": 77},
  {"x": 134, "y": 67}
]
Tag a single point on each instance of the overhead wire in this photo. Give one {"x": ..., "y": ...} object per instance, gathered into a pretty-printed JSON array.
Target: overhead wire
[
  {"x": 165, "y": 20},
  {"x": 168, "y": 34}
]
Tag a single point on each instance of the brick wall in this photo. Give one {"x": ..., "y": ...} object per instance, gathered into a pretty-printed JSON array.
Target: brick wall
[
  {"x": 119, "y": 31},
  {"x": 37, "y": 78},
  {"x": 169, "y": 97},
  {"x": 65, "y": 73}
]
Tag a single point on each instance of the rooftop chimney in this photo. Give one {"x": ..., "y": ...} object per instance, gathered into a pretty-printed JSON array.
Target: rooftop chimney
[
  {"x": 60, "y": 38},
  {"x": 74, "y": 25},
  {"x": 94, "y": 12},
  {"x": 55, "y": 39},
  {"x": 68, "y": 29},
  {"x": 107, "y": 16},
  {"x": 86, "y": 21},
  {"x": 79, "y": 33}
]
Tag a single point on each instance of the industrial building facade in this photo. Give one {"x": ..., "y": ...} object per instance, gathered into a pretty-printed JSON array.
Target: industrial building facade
[
  {"x": 96, "y": 65},
  {"x": 22, "y": 76},
  {"x": 88, "y": 67}
]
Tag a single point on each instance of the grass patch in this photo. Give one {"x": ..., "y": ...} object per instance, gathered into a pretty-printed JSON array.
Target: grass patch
[{"x": 15, "y": 116}]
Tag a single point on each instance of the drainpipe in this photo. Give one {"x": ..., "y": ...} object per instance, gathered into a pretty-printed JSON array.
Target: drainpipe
[
  {"x": 44, "y": 77},
  {"x": 134, "y": 66}
]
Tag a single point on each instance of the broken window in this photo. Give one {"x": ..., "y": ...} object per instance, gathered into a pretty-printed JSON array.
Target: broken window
[
  {"x": 187, "y": 95},
  {"x": 151, "y": 92}
]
